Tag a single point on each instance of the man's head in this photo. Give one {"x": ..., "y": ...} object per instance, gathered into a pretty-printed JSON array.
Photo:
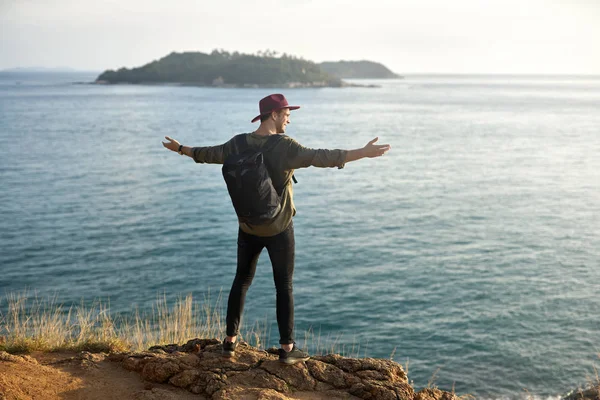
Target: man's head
[
  {"x": 278, "y": 119},
  {"x": 275, "y": 111}
]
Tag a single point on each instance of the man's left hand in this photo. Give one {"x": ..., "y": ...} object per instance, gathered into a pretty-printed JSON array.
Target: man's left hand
[{"x": 173, "y": 144}]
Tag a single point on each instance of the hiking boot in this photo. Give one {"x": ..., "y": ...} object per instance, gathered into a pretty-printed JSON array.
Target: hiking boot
[
  {"x": 229, "y": 348},
  {"x": 293, "y": 356}
]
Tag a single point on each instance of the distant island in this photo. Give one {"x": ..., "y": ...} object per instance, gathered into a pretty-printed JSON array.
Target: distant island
[
  {"x": 224, "y": 69},
  {"x": 358, "y": 70}
]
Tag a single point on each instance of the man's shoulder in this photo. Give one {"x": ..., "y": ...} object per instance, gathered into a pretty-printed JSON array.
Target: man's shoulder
[
  {"x": 288, "y": 139},
  {"x": 287, "y": 144},
  {"x": 238, "y": 139},
  {"x": 238, "y": 135}
]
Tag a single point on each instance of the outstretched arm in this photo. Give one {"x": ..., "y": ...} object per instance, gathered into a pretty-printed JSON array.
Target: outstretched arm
[
  {"x": 206, "y": 154},
  {"x": 369, "y": 151},
  {"x": 302, "y": 157}
]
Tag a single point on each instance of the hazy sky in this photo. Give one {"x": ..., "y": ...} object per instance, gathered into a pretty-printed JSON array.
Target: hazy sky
[{"x": 456, "y": 36}]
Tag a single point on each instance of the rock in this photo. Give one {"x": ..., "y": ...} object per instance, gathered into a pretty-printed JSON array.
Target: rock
[
  {"x": 296, "y": 375},
  {"x": 370, "y": 390},
  {"x": 29, "y": 359},
  {"x": 83, "y": 359},
  {"x": 193, "y": 345},
  {"x": 248, "y": 394},
  {"x": 4, "y": 356},
  {"x": 199, "y": 367},
  {"x": 169, "y": 348},
  {"x": 434, "y": 394},
  {"x": 329, "y": 373},
  {"x": 136, "y": 362},
  {"x": 258, "y": 378},
  {"x": 187, "y": 378},
  {"x": 347, "y": 364},
  {"x": 191, "y": 360},
  {"x": 161, "y": 370},
  {"x": 246, "y": 357},
  {"x": 117, "y": 357},
  {"x": 215, "y": 383},
  {"x": 154, "y": 394},
  {"x": 92, "y": 357}
]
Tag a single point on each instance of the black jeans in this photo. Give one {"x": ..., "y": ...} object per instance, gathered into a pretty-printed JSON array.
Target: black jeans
[{"x": 281, "y": 250}]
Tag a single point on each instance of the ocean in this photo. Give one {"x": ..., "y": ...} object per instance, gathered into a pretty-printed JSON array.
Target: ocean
[{"x": 470, "y": 250}]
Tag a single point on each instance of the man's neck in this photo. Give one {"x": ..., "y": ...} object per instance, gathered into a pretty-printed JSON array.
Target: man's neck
[{"x": 264, "y": 130}]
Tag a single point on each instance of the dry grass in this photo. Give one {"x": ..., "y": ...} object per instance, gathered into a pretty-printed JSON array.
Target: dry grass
[
  {"x": 332, "y": 344},
  {"x": 431, "y": 382},
  {"x": 593, "y": 383},
  {"x": 34, "y": 324},
  {"x": 431, "y": 385},
  {"x": 47, "y": 326}
]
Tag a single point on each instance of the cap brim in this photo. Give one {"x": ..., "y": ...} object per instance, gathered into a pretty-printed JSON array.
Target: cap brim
[{"x": 277, "y": 109}]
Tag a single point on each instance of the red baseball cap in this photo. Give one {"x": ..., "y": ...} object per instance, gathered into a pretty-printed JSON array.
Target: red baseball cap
[{"x": 273, "y": 102}]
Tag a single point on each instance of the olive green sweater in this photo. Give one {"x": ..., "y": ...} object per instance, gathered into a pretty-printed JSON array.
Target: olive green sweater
[{"x": 282, "y": 159}]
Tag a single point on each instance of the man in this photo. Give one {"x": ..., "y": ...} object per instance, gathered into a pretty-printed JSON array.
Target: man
[{"x": 277, "y": 234}]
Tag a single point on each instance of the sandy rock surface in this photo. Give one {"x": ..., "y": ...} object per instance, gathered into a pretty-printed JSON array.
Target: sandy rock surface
[
  {"x": 81, "y": 376},
  {"x": 198, "y": 370},
  {"x": 199, "y": 367}
]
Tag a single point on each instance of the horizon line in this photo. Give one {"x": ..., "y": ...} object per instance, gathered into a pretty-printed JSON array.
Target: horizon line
[{"x": 70, "y": 69}]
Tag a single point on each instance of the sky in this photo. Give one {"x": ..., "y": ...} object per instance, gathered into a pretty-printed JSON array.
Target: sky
[{"x": 407, "y": 36}]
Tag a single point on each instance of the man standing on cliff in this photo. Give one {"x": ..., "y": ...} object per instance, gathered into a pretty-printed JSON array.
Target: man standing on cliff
[{"x": 276, "y": 234}]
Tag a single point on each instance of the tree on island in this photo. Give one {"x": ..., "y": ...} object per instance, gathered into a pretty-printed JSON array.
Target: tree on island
[
  {"x": 358, "y": 69},
  {"x": 263, "y": 68}
]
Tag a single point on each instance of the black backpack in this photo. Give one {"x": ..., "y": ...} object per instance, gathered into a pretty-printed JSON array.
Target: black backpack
[{"x": 252, "y": 193}]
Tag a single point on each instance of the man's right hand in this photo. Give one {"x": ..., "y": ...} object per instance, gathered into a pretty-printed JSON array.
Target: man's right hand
[
  {"x": 173, "y": 144},
  {"x": 372, "y": 150}
]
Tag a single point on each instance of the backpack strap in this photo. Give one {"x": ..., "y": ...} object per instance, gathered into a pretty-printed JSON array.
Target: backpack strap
[
  {"x": 240, "y": 142},
  {"x": 271, "y": 142}
]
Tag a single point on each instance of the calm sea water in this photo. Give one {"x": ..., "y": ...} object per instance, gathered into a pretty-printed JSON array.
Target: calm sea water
[{"x": 473, "y": 246}]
